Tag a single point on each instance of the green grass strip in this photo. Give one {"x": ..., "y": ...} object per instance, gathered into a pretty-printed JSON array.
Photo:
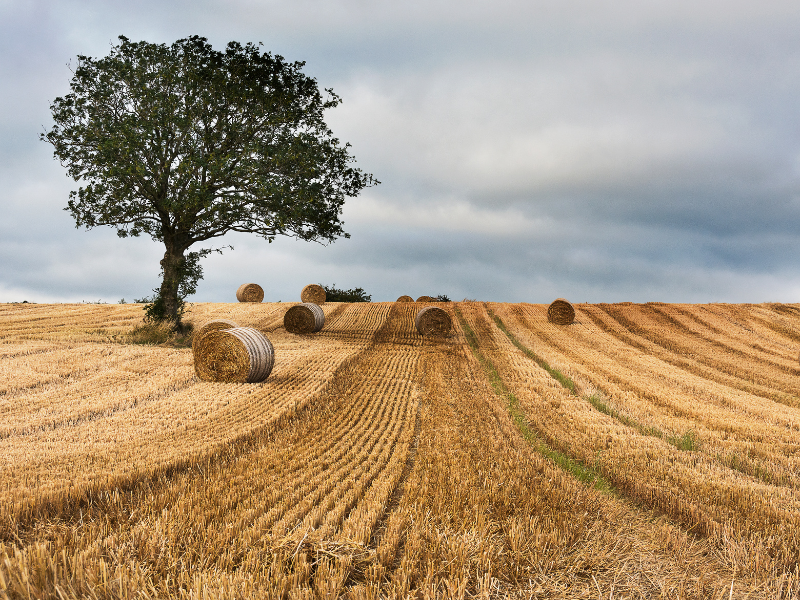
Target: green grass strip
[
  {"x": 688, "y": 441},
  {"x": 576, "y": 468},
  {"x": 564, "y": 380}
]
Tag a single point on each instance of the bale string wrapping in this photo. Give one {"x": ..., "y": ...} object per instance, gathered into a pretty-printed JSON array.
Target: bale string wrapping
[
  {"x": 237, "y": 355},
  {"x": 304, "y": 318}
]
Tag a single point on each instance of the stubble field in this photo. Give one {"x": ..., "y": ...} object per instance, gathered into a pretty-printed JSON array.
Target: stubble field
[{"x": 644, "y": 451}]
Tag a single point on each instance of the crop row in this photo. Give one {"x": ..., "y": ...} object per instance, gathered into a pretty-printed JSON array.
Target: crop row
[
  {"x": 483, "y": 514},
  {"x": 661, "y": 396},
  {"x": 323, "y": 481},
  {"x": 373, "y": 463},
  {"x": 700, "y": 489},
  {"x": 82, "y": 437}
]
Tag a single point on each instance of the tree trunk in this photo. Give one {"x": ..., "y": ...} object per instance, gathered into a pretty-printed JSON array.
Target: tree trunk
[{"x": 171, "y": 264}]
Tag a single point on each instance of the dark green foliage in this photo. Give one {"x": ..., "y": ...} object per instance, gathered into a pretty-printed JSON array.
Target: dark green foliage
[
  {"x": 184, "y": 143},
  {"x": 441, "y": 298},
  {"x": 332, "y": 294}
]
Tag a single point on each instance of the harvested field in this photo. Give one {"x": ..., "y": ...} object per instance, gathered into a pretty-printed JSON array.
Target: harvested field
[{"x": 643, "y": 451}]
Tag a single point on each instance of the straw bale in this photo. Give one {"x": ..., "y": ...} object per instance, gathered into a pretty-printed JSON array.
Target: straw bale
[
  {"x": 236, "y": 355},
  {"x": 560, "y": 312},
  {"x": 405, "y": 299},
  {"x": 250, "y": 292},
  {"x": 304, "y": 318},
  {"x": 433, "y": 321},
  {"x": 313, "y": 293},
  {"x": 208, "y": 327},
  {"x": 426, "y": 299}
]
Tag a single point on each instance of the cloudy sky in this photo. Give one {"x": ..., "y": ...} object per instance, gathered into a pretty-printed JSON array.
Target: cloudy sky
[{"x": 598, "y": 151}]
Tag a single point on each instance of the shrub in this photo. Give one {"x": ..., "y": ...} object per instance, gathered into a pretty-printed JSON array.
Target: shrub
[{"x": 332, "y": 294}]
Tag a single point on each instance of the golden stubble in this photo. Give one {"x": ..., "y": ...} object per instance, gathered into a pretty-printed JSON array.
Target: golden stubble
[{"x": 376, "y": 463}]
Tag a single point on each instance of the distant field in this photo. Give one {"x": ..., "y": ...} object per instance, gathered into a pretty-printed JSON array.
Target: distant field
[{"x": 644, "y": 451}]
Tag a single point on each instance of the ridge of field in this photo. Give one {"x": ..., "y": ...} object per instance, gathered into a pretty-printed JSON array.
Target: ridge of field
[{"x": 375, "y": 463}]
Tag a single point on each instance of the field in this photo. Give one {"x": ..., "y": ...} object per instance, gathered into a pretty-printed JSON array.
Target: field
[{"x": 644, "y": 451}]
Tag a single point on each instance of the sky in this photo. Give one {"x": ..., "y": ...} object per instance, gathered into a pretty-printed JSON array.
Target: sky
[{"x": 635, "y": 150}]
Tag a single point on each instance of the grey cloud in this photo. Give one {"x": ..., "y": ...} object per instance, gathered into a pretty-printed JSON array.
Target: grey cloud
[{"x": 528, "y": 150}]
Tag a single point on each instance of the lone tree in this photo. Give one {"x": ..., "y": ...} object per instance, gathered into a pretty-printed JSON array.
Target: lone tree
[{"x": 186, "y": 143}]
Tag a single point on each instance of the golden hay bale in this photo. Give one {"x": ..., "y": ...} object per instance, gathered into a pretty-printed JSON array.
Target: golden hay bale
[
  {"x": 313, "y": 293},
  {"x": 236, "y": 355},
  {"x": 208, "y": 327},
  {"x": 405, "y": 299},
  {"x": 560, "y": 312},
  {"x": 426, "y": 299},
  {"x": 304, "y": 318},
  {"x": 250, "y": 292},
  {"x": 434, "y": 321}
]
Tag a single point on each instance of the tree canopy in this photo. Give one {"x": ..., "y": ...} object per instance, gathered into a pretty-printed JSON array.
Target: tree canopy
[{"x": 185, "y": 143}]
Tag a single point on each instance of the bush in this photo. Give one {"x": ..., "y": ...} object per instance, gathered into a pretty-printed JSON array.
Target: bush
[{"x": 332, "y": 294}]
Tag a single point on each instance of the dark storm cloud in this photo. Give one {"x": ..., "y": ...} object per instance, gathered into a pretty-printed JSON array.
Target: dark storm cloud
[{"x": 528, "y": 150}]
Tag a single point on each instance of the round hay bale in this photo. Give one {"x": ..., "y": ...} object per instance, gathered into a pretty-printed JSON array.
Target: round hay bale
[
  {"x": 433, "y": 321},
  {"x": 236, "y": 355},
  {"x": 250, "y": 292},
  {"x": 304, "y": 318},
  {"x": 208, "y": 327},
  {"x": 426, "y": 299},
  {"x": 405, "y": 299},
  {"x": 560, "y": 312},
  {"x": 313, "y": 293}
]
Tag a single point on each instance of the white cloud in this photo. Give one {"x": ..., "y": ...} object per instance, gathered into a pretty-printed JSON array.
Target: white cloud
[
  {"x": 573, "y": 123},
  {"x": 600, "y": 151},
  {"x": 442, "y": 214}
]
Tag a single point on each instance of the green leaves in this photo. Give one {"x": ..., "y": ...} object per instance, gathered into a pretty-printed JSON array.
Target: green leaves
[{"x": 186, "y": 143}]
